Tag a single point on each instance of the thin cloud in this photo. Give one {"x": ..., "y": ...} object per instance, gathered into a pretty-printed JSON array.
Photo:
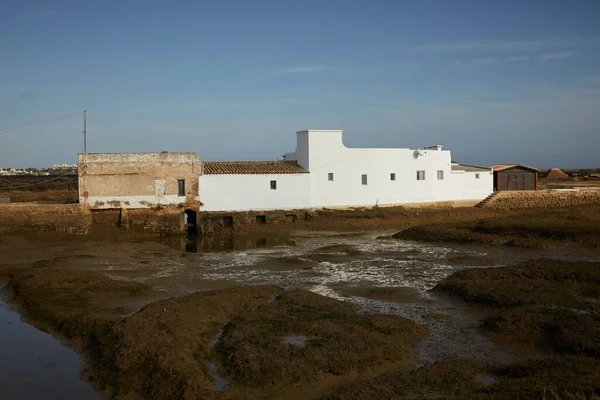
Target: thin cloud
[
  {"x": 476, "y": 61},
  {"x": 500, "y": 45},
  {"x": 517, "y": 58},
  {"x": 562, "y": 54},
  {"x": 304, "y": 69},
  {"x": 28, "y": 96},
  {"x": 352, "y": 70},
  {"x": 301, "y": 69}
]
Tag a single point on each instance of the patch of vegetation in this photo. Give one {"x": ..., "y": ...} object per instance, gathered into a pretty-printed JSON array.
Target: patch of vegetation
[
  {"x": 162, "y": 350},
  {"x": 68, "y": 299},
  {"x": 158, "y": 352},
  {"x": 549, "y": 302},
  {"x": 453, "y": 379},
  {"x": 340, "y": 341},
  {"x": 572, "y": 378},
  {"x": 33, "y": 183},
  {"x": 533, "y": 229}
]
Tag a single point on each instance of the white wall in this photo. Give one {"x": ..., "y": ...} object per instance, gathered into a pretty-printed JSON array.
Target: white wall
[
  {"x": 322, "y": 152},
  {"x": 470, "y": 187},
  {"x": 253, "y": 192},
  {"x": 327, "y": 154}
]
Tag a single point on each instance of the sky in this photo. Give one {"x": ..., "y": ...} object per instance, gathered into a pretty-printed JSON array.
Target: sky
[{"x": 493, "y": 81}]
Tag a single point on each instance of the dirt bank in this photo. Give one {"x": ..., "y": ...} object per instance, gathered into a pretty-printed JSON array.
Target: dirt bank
[
  {"x": 72, "y": 301},
  {"x": 333, "y": 341},
  {"x": 460, "y": 224},
  {"x": 296, "y": 344},
  {"x": 538, "y": 228},
  {"x": 552, "y": 304},
  {"x": 549, "y": 378},
  {"x": 163, "y": 350}
]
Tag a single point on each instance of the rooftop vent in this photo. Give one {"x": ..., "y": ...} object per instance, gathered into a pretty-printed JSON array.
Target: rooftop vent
[{"x": 434, "y": 147}]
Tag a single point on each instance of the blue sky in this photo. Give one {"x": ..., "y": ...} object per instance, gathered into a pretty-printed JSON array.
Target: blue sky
[{"x": 493, "y": 81}]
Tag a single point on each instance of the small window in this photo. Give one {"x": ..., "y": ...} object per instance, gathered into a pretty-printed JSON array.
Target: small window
[
  {"x": 273, "y": 185},
  {"x": 477, "y": 176},
  {"x": 392, "y": 177},
  {"x": 330, "y": 176},
  {"x": 440, "y": 174},
  {"x": 420, "y": 175},
  {"x": 364, "y": 179},
  {"x": 180, "y": 187}
]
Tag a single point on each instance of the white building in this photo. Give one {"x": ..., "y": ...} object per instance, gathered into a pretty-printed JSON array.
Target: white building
[{"x": 323, "y": 172}]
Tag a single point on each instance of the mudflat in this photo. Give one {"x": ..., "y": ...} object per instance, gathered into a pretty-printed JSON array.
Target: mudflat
[{"x": 326, "y": 315}]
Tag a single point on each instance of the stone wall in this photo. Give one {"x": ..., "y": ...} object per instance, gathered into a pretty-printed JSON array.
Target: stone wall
[
  {"x": 165, "y": 220},
  {"x": 70, "y": 218},
  {"x": 508, "y": 200},
  {"x": 210, "y": 222}
]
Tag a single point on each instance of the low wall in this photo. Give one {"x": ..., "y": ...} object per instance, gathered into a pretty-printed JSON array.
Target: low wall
[
  {"x": 72, "y": 218},
  {"x": 209, "y": 222},
  {"x": 68, "y": 218},
  {"x": 542, "y": 198},
  {"x": 165, "y": 220}
]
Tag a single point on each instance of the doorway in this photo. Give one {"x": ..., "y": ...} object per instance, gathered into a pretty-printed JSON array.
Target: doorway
[{"x": 190, "y": 221}]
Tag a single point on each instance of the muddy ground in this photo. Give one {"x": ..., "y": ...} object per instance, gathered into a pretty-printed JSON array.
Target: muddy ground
[
  {"x": 549, "y": 305},
  {"x": 316, "y": 314},
  {"x": 574, "y": 226}
]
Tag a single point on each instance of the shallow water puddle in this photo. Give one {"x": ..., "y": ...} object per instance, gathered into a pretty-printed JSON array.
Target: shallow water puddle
[
  {"x": 487, "y": 380},
  {"x": 213, "y": 366},
  {"x": 34, "y": 365},
  {"x": 298, "y": 341},
  {"x": 220, "y": 382}
]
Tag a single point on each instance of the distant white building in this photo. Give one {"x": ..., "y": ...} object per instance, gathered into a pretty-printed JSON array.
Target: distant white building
[{"x": 323, "y": 172}]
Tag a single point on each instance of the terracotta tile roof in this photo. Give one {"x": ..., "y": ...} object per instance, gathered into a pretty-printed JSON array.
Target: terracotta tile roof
[
  {"x": 502, "y": 167},
  {"x": 252, "y": 167}
]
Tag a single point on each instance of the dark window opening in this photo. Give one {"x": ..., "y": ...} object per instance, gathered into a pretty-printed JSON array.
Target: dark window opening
[
  {"x": 364, "y": 179},
  {"x": 228, "y": 221},
  {"x": 330, "y": 176},
  {"x": 291, "y": 217},
  {"x": 261, "y": 219},
  {"x": 420, "y": 175},
  {"x": 190, "y": 221},
  {"x": 477, "y": 176},
  {"x": 440, "y": 174},
  {"x": 392, "y": 177},
  {"x": 273, "y": 185},
  {"x": 180, "y": 187},
  {"x": 261, "y": 242}
]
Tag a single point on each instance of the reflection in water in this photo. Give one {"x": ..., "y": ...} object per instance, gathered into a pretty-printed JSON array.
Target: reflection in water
[
  {"x": 34, "y": 365},
  {"x": 192, "y": 243}
]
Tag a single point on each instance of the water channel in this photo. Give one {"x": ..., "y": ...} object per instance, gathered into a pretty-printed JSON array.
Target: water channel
[{"x": 35, "y": 365}]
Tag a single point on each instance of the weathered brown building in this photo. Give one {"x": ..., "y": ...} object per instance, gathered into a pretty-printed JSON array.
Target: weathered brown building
[
  {"x": 515, "y": 177},
  {"x": 139, "y": 180}
]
